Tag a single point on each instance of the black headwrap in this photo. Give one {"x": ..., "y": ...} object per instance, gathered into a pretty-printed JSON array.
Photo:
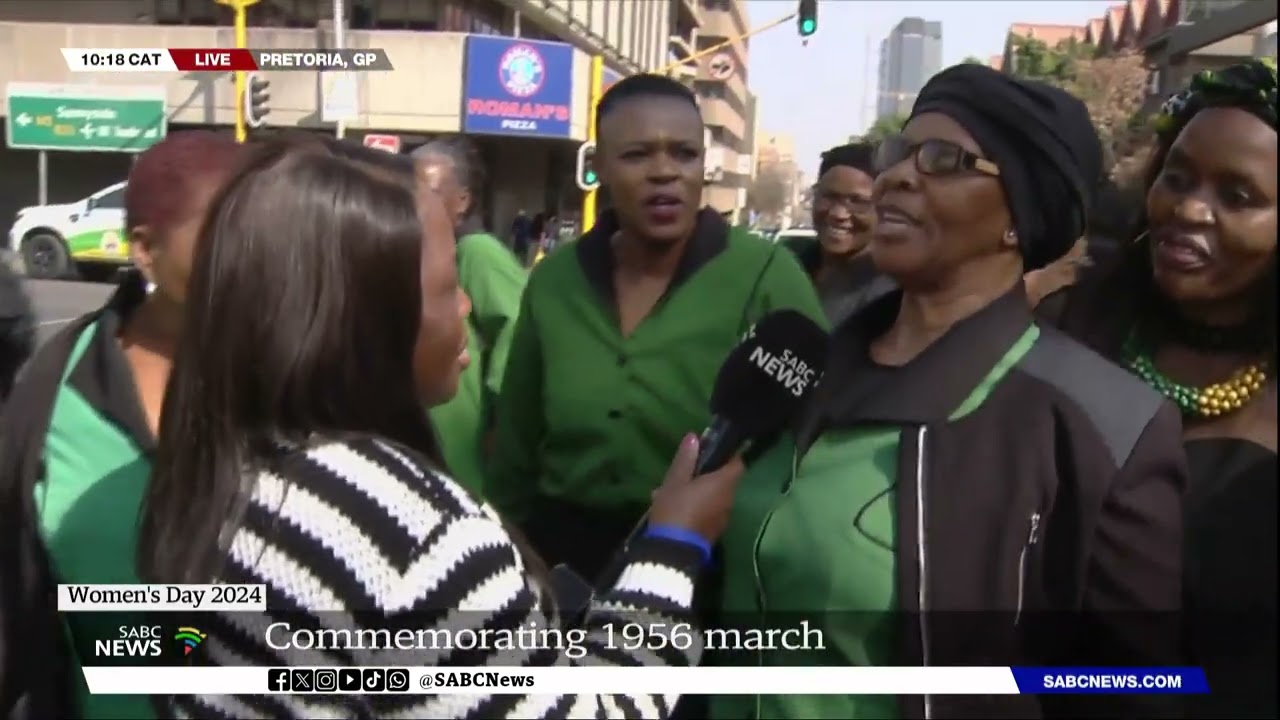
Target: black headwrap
[
  {"x": 1043, "y": 141},
  {"x": 1250, "y": 86},
  {"x": 859, "y": 156}
]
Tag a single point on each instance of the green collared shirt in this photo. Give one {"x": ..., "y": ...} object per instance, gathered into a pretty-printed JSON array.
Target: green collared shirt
[{"x": 592, "y": 417}]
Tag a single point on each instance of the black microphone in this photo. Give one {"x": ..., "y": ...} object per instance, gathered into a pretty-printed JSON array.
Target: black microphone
[
  {"x": 759, "y": 390},
  {"x": 762, "y": 385}
]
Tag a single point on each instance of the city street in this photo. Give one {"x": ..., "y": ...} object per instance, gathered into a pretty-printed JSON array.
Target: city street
[{"x": 58, "y": 302}]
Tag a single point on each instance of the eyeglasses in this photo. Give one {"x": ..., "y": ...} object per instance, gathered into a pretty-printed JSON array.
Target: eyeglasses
[
  {"x": 932, "y": 157},
  {"x": 855, "y": 204}
]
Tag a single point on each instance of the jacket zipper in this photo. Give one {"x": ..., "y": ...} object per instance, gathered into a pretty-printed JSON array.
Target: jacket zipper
[
  {"x": 755, "y": 561},
  {"x": 1032, "y": 537},
  {"x": 922, "y": 560}
]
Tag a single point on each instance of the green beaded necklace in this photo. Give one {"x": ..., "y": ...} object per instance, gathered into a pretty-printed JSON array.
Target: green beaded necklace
[{"x": 1209, "y": 401}]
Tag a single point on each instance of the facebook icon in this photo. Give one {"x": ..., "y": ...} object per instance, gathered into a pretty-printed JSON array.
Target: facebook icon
[{"x": 278, "y": 679}]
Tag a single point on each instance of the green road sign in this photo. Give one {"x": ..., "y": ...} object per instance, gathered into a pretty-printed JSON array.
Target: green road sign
[{"x": 79, "y": 117}]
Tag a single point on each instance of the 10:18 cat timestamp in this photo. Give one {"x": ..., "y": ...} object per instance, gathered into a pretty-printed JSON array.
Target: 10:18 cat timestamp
[{"x": 121, "y": 59}]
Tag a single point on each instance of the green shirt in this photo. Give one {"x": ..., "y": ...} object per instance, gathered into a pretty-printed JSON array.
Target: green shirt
[
  {"x": 814, "y": 536},
  {"x": 97, "y": 466},
  {"x": 492, "y": 277},
  {"x": 593, "y": 417}
]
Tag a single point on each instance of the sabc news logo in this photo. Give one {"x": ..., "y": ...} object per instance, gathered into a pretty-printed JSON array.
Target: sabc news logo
[{"x": 147, "y": 641}]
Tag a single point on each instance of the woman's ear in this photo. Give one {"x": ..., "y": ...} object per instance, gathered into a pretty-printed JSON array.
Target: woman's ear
[{"x": 142, "y": 251}]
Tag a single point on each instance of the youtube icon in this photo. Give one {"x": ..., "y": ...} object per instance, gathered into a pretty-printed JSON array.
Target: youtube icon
[{"x": 348, "y": 680}]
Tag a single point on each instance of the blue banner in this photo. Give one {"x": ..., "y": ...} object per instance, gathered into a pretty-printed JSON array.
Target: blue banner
[
  {"x": 517, "y": 87},
  {"x": 1104, "y": 681}
]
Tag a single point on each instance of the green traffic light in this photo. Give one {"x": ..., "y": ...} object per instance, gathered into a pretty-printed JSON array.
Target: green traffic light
[
  {"x": 590, "y": 177},
  {"x": 807, "y": 27}
]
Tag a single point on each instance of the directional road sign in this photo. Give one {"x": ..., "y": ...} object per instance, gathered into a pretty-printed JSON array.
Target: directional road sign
[{"x": 80, "y": 117}]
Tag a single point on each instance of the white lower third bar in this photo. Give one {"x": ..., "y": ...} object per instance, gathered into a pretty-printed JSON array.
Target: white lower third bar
[{"x": 554, "y": 680}]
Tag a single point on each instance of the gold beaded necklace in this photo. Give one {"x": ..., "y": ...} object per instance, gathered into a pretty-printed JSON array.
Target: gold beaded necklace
[{"x": 1208, "y": 401}]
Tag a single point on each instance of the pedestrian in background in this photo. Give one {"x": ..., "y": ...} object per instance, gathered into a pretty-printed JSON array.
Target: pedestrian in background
[
  {"x": 843, "y": 219},
  {"x": 493, "y": 278},
  {"x": 1190, "y": 307},
  {"x": 521, "y": 233},
  {"x": 17, "y": 330},
  {"x": 80, "y": 436},
  {"x": 621, "y": 333}
]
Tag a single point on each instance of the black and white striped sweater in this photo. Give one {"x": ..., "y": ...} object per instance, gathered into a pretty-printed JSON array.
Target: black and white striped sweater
[{"x": 361, "y": 525}]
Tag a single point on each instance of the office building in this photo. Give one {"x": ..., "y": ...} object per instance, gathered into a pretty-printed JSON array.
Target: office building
[
  {"x": 721, "y": 84},
  {"x": 451, "y": 75},
  {"x": 909, "y": 56}
]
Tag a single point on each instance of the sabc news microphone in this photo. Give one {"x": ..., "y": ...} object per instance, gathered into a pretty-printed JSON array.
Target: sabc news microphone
[
  {"x": 759, "y": 391},
  {"x": 762, "y": 385}
]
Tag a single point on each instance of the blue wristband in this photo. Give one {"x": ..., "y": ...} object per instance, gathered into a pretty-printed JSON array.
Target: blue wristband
[{"x": 681, "y": 535}]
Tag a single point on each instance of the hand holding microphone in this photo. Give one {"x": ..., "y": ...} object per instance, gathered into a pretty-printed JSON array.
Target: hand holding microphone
[
  {"x": 698, "y": 504},
  {"x": 759, "y": 391}
]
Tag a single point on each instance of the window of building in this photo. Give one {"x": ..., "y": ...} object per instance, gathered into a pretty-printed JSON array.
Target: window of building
[
  {"x": 710, "y": 89},
  {"x": 636, "y": 51},
  {"x": 607, "y": 9},
  {"x": 455, "y": 15}
]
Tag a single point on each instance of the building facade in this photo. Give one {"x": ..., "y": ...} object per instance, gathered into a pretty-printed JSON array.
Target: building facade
[
  {"x": 777, "y": 167},
  {"x": 909, "y": 56},
  {"x": 721, "y": 84},
  {"x": 449, "y": 63}
]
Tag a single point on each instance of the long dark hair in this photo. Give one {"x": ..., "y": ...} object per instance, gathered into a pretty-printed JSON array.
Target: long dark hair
[{"x": 300, "y": 250}]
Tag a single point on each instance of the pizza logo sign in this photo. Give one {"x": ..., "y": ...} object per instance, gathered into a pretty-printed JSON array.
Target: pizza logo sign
[{"x": 522, "y": 70}]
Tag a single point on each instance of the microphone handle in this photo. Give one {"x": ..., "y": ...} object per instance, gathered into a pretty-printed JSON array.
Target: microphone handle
[{"x": 718, "y": 443}]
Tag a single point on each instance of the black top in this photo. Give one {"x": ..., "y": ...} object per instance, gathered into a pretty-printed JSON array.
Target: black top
[
  {"x": 1230, "y": 576},
  {"x": 848, "y": 288}
]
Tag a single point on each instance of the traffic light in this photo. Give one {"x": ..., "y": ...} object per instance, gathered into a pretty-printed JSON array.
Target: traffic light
[
  {"x": 255, "y": 100},
  {"x": 807, "y": 17},
  {"x": 588, "y": 180}
]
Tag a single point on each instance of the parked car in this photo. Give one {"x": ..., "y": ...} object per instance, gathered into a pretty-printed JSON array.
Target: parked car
[
  {"x": 85, "y": 238},
  {"x": 789, "y": 233}
]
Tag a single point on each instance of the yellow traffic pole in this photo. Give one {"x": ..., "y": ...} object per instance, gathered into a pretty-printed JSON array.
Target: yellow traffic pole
[
  {"x": 597, "y": 89},
  {"x": 241, "y": 23}
]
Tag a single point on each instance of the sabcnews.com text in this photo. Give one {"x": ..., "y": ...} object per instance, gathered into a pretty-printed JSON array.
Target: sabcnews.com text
[
  {"x": 1099, "y": 681},
  {"x": 376, "y": 680}
]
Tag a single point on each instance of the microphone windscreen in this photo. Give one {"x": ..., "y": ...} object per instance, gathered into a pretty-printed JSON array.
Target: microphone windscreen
[{"x": 767, "y": 377}]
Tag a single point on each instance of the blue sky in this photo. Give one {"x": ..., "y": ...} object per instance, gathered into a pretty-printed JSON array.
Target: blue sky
[{"x": 821, "y": 94}]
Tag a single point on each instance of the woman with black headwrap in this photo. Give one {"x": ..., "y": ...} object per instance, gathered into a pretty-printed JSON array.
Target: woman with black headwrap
[
  {"x": 843, "y": 217},
  {"x": 966, "y": 489},
  {"x": 1191, "y": 309}
]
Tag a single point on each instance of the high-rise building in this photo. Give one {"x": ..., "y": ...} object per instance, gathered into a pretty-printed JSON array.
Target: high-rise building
[
  {"x": 721, "y": 84},
  {"x": 909, "y": 56}
]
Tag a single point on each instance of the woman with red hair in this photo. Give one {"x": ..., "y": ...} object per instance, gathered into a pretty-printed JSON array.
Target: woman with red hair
[{"x": 77, "y": 447}]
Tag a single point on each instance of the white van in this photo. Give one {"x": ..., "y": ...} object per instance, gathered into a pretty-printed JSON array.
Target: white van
[{"x": 81, "y": 238}]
